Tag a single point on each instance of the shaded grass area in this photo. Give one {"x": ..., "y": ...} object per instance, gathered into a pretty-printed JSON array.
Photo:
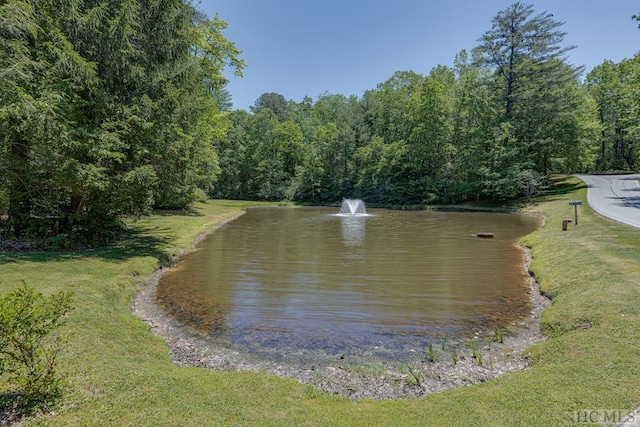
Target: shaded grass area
[{"x": 119, "y": 374}]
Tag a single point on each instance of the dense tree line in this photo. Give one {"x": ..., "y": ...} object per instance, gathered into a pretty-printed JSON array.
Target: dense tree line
[
  {"x": 106, "y": 108},
  {"x": 117, "y": 107},
  {"x": 616, "y": 90},
  {"x": 504, "y": 117}
]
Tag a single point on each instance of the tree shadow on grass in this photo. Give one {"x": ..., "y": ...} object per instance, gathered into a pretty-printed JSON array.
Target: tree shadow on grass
[
  {"x": 133, "y": 242},
  {"x": 559, "y": 186},
  {"x": 177, "y": 212},
  {"x": 133, "y": 246},
  {"x": 136, "y": 242},
  {"x": 11, "y": 411},
  {"x": 144, "y": 241}
]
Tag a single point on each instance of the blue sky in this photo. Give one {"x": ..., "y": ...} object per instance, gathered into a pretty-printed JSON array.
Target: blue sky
[{"x": 301, "y": 48}]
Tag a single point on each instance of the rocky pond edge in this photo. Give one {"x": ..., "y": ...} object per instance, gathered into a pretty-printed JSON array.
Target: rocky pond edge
[{"x": 444, "y": 366}]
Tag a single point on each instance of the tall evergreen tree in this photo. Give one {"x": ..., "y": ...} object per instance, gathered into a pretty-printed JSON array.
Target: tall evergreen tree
[
  {"x": 521, "y": 48},
  {"x": 275, "y": 102},
  {"x": 108, "y": 108},
  {"x": 530, "y": 77}
]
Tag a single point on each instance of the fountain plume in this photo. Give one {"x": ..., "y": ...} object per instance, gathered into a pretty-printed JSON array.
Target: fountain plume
[{"x": 353, "y": 207}]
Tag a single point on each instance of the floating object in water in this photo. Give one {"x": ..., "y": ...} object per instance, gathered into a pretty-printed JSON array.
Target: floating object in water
[{"x": 485, "y": 235}]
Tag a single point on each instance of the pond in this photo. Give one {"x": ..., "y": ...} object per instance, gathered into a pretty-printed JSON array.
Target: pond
[{"x": 304, "y": 282}]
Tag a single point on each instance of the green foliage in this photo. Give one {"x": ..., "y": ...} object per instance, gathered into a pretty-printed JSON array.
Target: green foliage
[
  {"x": 537, "y": 95},
  {"x": 275, "y": 102},
  {"x": 4, "y": 202},
  {"x": 139, "y": 187},
  {"x": 614, "y": 88},
  {"x": 476, "y": 351},
  {"x": 110, "y": 109},
  {"x": 415, "y": 376},
  {"x": 454, "y": 357},
  {"x": 431, "y": 354},
  {"x": 107, "y": 109},
  {"x": 28, "y": 346},
  {"x": 495, "y": 126},
  {"x": 443, "y": 343}
]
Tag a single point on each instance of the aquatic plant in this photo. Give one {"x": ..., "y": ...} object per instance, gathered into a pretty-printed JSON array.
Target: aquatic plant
[
  {"x": 431, "y": 355},
  {"x": 415, "y": 376}
]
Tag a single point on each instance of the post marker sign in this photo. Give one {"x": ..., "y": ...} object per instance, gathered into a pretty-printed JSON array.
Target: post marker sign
[{"x": 575, "y": 208}]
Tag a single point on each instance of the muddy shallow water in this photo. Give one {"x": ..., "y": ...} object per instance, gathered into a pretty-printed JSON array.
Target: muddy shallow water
[
  {"x": 455, "y": 364},
  {"x": 283, "y": 283}
]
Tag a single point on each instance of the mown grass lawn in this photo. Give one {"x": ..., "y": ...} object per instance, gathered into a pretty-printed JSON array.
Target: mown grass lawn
[{"x": 120, "y": 374}]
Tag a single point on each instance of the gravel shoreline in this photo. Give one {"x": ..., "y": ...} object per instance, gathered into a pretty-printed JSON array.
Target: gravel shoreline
[{"x": 448, "y": 365}]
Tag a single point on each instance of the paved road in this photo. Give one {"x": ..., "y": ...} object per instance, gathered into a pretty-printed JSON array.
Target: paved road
[{"x": 615, "y": 196}]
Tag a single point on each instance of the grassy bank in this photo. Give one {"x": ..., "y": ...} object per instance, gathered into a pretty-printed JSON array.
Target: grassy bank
[{"x": 119, "y": 374}]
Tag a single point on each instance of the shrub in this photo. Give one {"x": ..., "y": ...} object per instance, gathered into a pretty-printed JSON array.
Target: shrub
[{"x": 28, "y": 347}]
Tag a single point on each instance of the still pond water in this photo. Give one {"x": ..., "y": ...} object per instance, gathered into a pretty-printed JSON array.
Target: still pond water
[{"x": 283, "y": 281}]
